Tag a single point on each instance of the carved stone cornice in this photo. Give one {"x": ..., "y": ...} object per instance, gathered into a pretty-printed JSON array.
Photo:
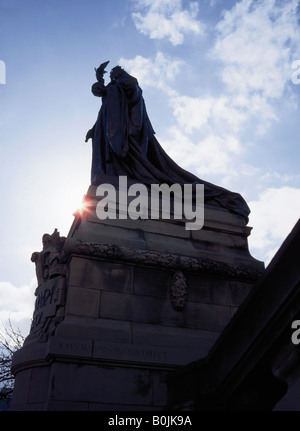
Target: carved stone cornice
[{"x": 161, "y": 260}]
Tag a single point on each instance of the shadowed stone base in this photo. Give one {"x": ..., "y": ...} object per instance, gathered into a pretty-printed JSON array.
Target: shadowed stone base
[{"x": 122, "y": 303}]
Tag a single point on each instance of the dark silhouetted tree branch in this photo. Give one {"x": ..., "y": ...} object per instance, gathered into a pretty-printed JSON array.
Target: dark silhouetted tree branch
[{"x": 10, "y": 340}]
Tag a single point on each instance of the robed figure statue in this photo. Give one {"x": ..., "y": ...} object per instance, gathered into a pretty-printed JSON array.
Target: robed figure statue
[{"x": 124, "y": 142}]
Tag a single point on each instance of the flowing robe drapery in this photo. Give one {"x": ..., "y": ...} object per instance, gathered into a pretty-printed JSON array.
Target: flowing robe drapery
[{"x": 124, "y": 143}]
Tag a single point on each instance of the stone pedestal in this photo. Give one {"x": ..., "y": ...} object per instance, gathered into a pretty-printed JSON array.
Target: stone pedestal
[{"x": 122, "y": 303}]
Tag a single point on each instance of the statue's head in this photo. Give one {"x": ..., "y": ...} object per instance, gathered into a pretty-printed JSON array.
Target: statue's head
[{"x": 116, "y": 72}]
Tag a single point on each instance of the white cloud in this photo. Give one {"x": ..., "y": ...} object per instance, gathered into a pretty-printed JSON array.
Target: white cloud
[
  {"x": 256, "y": 43},
  {"x": 160, "y": 19},
  {"x": 221, "y": 113},
  {"x": 277, "y": 178},
  {"x": 17, "y": 303},
  {"x": 216, "y": 118},
  {"x": 155, "y": 72},
  {"x": 272, "y": 217},
  {"x": 191, "y": 112},
  {"x": 213, "y": 154}
]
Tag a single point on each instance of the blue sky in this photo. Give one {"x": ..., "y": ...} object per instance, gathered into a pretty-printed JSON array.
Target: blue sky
[{"x": 220, "y": 90}]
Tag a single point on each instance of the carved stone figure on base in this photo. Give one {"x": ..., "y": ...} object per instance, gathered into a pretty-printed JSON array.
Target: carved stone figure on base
[
  {"x": 46, "y": 260},
  {"x": 124, "y": 142}
]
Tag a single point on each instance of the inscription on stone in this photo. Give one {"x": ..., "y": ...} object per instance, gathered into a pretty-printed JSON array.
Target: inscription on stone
[
  {"x": 74, "y": 347},
  {"x": 50, "y": 298},
  {"x": 44, "y": 298},
  {"x": 138, "y": 353}
]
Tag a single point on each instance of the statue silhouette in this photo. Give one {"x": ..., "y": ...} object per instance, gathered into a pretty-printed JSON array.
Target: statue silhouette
[{"x": 124, "y": 143}]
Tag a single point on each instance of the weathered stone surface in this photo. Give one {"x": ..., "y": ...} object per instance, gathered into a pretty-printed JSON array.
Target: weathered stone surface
[
  {"x": 101, "y": 384},
  {"x": 165, "y": 227},
  {"x": 187, "y": 339},
  {"x": 95, "y": 274},
  {"x": 151, "y": 282},
  {"x": 83, "y": 301},
  {"x": 146, "y": 309},
  {"x": 31, "y": 388},
  {"x": 38, "y": 390},
  {"x": 110, "y": 234},
  {"x": 132, "y": 301},
  {"x": 95, "y": 329},
  {"x": 22, "y": 387},
  {"x": 219, "y": 291}
]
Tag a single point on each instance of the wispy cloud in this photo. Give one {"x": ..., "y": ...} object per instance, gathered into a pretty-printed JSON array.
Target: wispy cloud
[
  {"x": 273, "y": 216},
  {"x": 211, "y": 154},
  {"x": 157, "y": 72},
  {"x": 17, "y": 304},
  {"x": 161, "y": 19},
  {"x": 255, "y": 45},
  {"x": 221, "y": 113},
  {"x": 254, "y": 48},
  {"x": 256, "y": 42}
]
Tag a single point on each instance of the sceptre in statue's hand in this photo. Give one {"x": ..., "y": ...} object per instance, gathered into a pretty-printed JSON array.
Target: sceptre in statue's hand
[
  {"x": 100, "y": 72},
  {"x": 98, "y": 89}
]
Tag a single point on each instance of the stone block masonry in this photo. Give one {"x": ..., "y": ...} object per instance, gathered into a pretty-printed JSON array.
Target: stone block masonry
[{"x": 122, "y": 303}]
